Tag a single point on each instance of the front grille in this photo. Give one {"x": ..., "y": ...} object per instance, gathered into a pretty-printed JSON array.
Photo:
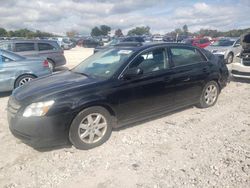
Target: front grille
[
  {"x": 13, "y": 106},
  {"x": 240, "y": 73}
]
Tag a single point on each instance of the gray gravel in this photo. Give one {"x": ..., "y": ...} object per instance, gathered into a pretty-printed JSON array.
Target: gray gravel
[{"x": 190, "y": 148}]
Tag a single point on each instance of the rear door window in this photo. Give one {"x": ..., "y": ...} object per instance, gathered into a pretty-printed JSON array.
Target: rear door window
[
  {"x": 182, "y": 56},
  {"x": 45, "y": 46},
  {"x": 23, "y": 47}
]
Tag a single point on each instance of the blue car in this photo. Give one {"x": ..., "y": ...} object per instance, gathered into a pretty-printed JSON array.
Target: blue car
[{"x": 16, "y": 70}]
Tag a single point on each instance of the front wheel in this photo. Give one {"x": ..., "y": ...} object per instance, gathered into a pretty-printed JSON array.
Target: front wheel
[
  {"x": 90, "y": 128},
  {"x": 209, "y": 95},
  {"x": 23, "y": 80},
  {"x": 230, "y": 58}
]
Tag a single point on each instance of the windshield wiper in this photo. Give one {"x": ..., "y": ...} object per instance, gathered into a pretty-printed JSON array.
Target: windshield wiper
[{"x": 82, "y": 73}]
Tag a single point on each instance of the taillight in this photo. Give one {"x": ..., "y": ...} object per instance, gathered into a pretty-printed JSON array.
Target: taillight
[{"x": 46, "y": 63}]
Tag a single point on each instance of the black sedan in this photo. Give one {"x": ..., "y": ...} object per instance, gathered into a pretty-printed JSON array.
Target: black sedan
[{"x": 112, "y": 88}]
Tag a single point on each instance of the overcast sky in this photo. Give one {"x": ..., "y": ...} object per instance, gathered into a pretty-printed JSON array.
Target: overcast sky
[{"x": 59, "y": 16}]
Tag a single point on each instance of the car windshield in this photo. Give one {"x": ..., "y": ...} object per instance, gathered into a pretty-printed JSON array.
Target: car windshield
[
  {"x": 223, "y": 43},
  {"x": 104, "y": 63}
]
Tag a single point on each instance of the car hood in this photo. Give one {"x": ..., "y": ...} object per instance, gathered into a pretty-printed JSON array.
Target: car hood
[
  {"x": 47, "y": 86},
  {"x": 217, "y": 48}
]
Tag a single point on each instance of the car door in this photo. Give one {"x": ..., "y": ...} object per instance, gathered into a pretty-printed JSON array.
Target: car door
[
  {"x": 149, "y": 92},
  {"x": 7, "y": 73},
  {"x": 191, "y": 70}
]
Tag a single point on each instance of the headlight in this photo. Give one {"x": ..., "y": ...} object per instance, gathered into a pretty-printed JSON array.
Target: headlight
[{"x": 38, "y": 109}]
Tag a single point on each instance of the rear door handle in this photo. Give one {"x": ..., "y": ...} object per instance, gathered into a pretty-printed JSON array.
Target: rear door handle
[{"x": 205, "y": 69}]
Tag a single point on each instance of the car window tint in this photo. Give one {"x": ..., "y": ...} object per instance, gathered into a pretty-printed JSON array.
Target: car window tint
[
  {"x": 5, "y": 46},
  {"x": 185, "y": 56},
  {"x": 151, "y": 61},
  {"x": 21, "y": 47},
  {"x": 45, "y": 46}
]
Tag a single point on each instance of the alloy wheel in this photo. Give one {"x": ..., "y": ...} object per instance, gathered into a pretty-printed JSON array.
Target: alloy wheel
[
  {"x": 25, "y": 80},
  {"x": 92, "y": 128},
  {"x": 211, "y": 94}
]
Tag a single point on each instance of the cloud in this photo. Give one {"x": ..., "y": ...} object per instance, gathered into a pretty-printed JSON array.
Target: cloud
[{"x": 162, "y": 16}]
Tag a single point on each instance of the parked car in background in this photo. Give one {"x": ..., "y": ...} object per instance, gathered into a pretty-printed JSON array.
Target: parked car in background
[
  {"x": 157, "y": 38},
  {"x": 199, "y": 42},
  {"x": 89, "y": 42},
  {"x": 112, "y": 88},
  {"x": 241, "y": 68},
  {"x": 16, "y": 70},
  {"x": 228, "y": 47},
  {"x": 37, "y": 48},
  {"x": 116, "y": 41},
  {"x": 105, "y": 39},
  {"x": 66, "y": 44}
]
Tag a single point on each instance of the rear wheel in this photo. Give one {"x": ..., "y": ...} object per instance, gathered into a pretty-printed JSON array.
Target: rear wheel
[
  {"x": 51, "y": 65},
  {"x": 23, "y": 80},
  {"x": 90, "y": 128},
  {"x": 209, "y": 95}
]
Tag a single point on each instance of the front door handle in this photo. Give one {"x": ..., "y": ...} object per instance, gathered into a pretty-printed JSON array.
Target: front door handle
[{"x": 186, "y": 80}]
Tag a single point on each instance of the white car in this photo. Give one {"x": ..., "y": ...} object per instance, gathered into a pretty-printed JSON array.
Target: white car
[
  {"x": 157, "y": 38},
  {"x": 241, "y": 68},
  {"x": 228, "y": 47}
]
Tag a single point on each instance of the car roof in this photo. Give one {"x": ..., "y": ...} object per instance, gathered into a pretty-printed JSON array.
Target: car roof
[
  {"x": 142, "y": 46},
  {"x": 29, "y": 40}
]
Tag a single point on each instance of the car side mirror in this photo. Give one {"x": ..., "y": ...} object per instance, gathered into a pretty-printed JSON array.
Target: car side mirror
[
  {"x": 132, "y": 73},
  {"x": 236, "y": 45}
]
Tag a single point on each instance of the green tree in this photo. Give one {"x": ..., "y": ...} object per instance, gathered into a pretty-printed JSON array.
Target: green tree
[
  {"x": 105, "y": 29},
  {"x": 96, "y": 32},
  {"x": 3, "y": 32},
  {"x": 99, "y": 31},
  {"x": 140, "y": 31}
]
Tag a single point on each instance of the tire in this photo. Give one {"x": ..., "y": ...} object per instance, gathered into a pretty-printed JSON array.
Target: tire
[
  {"x": 51, "y": 65},
  {"x": 86, "y": 125},
  {"x": 230, "y": 58},
  {"x": 21, "y": 80},
  {"x": 209, "y": 99}
]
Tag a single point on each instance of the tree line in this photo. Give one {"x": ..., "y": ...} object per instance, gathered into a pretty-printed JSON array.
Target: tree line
[
  {"x": 24, "y": 33},
  {"x": 105, "y": 30}
]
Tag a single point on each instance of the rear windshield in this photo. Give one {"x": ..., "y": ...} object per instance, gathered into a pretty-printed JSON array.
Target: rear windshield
[{"x": 208, "y": 54}]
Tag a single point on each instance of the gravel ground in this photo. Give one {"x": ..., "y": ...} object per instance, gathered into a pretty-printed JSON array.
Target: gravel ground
[{"x": 192, "y": 147}]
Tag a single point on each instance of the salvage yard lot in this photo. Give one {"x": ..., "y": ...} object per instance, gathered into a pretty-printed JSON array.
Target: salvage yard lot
[{"x": 192, "y": 147}]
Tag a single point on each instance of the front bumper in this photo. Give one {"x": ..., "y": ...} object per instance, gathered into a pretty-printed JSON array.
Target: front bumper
[
  {"x": 40, "y": 131},
  {"x": 240, "y": 71}
]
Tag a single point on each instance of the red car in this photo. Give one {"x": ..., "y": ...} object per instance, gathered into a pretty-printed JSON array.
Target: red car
[{"x": 199, "y": 42}]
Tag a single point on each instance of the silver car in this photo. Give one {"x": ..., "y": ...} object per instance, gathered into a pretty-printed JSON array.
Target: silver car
[
  {"x": 16, "y": 70},
  {"x": 228, "y": 47},
  {"x": 32, "y": 48}
]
